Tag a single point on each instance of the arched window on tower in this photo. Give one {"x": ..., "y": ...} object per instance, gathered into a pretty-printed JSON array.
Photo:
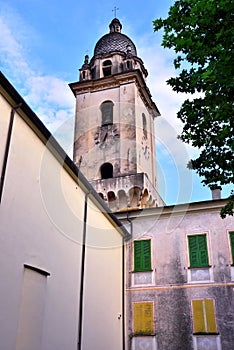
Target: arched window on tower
[
  {"x": 107, "y": 112},
  {"x": 144, "y": 123},
  {"x": 106, "y": 171},
  {"x": 106, "y": 67},
  {"x": 129, "y": 64}
]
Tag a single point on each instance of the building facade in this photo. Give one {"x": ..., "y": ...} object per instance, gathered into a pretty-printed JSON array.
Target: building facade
[
  {"x": 180, "y": 278},
  {"x": 179, "y": 273},
  {"x": 59, "y": 244}
]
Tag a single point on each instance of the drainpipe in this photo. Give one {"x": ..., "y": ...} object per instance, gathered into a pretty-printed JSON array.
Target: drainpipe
[
  {"x": 7, "y": 147},
  {"x": 80, "y": 316},
  {"x": 123, "y": 281}
]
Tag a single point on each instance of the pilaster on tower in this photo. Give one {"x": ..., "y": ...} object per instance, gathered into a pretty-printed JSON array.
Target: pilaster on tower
[{"x": 114, "y": 142}]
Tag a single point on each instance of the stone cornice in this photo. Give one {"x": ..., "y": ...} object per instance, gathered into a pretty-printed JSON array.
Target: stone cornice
[
  {"x": 114, "y": 81},
  {"x": 173, "y": 210}
]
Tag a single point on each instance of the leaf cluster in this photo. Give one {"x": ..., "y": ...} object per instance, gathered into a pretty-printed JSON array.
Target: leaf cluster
[{"x": 201, "y": 32}]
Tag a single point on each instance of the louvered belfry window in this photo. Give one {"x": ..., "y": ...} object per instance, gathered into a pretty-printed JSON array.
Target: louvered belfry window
[
  {"x": 142, "y": 255},
  {"x": 198, "y": 252},
  {"x": 107, "y": 112}
]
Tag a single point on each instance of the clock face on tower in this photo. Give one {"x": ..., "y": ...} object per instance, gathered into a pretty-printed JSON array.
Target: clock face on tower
[{"x": 106, "y": 135}]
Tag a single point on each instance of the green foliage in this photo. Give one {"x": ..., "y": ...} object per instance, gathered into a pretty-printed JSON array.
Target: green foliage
[{"x": 201, "y": 32}]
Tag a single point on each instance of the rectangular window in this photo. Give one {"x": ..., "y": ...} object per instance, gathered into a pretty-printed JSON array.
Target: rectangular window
[
  {"x": 198, "y": 253},
  {"x": 143, "y": 318},
  {"x": 142, "y": 255},
  {"x": 204, "y": 316},
  {"x": 231, "y": 233}
]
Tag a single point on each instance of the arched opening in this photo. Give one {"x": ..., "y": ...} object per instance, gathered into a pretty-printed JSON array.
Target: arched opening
[
  {"x": 144, "y": 198},
  {"x": 101, "y": 195},
  {"x": 111, "y": 200},
  {"x": 106, "y": 171},
  {"x": 123, "y": 200},
  {"x": 129, "y": 65},
  {"x": 106, "y": 67},
  {"x": 107, "y": 112},
  {"x": 111, "y": 196},
  {"x": 134, "y": 196}
]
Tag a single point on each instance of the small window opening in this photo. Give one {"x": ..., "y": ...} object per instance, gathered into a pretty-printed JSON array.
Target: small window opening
[
  {"x": 129, "y": 64},
  {"x": 101, "y": 195},
  {"x": 107, "y": 113},
  {"x": 106, "y": 171},
  {"x": 111, "y": 196},
  {"x": 144, "y": 125},
  {"x": 84, "y": 74},
  {"x": 107, "y": 65}
]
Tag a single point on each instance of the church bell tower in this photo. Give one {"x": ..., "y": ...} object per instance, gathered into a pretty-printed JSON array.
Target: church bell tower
[{"x": 114, "y": 143}]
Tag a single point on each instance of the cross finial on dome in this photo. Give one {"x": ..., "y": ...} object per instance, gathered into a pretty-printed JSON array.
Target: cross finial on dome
[{"x": 115, "y": 10}]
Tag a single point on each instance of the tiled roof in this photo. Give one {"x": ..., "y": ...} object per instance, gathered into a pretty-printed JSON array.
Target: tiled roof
[{"x": 114, "y": 42}]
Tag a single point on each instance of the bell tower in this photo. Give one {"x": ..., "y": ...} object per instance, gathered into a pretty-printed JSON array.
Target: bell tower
[{"x": 114, "y": 144}]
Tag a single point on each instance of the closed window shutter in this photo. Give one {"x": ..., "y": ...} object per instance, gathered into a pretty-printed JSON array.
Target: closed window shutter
[
  {"x": 143, "y": 318},
  {"x": 148, "y": 318},
  {"x": 193, "y": 253},
  {"x": 142, "y": 255},
  {"x": 210, "y": 316},
  {"x": 204, "y": 316},
  {"x": 138, "y": 321},
  {"x": 198, "y": 316},
  {"x": 137, "y": 255},
  {"x": 146, "y": 263},
  {"x": 198, "y": 253},
  {"x": 203, "y": 254},
  {"x": 232, "y": 244}
]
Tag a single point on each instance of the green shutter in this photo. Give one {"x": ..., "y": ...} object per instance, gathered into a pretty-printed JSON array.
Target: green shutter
[
  {"x": 137, "y": 255},
  {"x": 203, "y": 254},
  {"x": 198, "y": 253},
  {"x": 193, "y": 251},
  {"x": 146, "y": 256},
  {"x": 232, "y": 244},
  {"x": 142, "y": 255}
]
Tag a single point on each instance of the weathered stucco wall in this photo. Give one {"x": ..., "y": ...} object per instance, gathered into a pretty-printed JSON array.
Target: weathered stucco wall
[{"x": 172, "y": 284}]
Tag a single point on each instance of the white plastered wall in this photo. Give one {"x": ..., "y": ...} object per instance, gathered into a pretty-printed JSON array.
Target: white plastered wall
[{"x": 41, "y": 225}]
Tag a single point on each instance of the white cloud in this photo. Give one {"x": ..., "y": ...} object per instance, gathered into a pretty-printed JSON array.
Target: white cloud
[
  {"x": 159, "y": 63},
  {"x": 49, "y": 96}
]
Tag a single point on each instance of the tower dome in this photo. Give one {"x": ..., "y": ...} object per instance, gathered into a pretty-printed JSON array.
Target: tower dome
[{"x": 115, "y": 41}]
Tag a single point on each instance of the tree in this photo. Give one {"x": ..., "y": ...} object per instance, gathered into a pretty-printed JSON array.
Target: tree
[{"x": 201, "y": 32}]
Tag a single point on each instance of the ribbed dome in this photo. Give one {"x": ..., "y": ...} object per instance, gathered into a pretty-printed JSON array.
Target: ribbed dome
[{"x": 114, "y": 41}]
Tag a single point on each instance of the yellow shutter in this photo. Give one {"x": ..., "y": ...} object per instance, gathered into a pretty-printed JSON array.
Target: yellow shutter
[
  {"x": 138, "y": 317},
  {"x": 210, "y": 316},
  {"x": 148, "y": 318},
  {"x": 198, "y": 316},
  {"x": 143, "y": 318}
]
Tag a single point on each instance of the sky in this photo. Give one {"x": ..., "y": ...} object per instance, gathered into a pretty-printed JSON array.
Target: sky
[{"x": 42, "y": 47}]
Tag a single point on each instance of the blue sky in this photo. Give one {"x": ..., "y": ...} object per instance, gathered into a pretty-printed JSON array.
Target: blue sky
[{"x": 42, "y": 47}]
